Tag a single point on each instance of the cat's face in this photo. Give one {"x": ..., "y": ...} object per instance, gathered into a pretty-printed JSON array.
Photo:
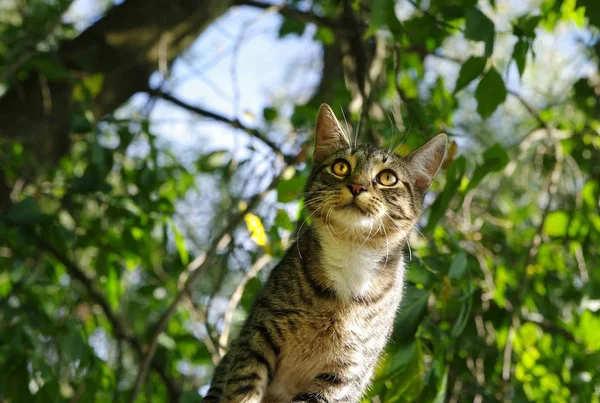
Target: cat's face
[{"x": 364, "y": 192}]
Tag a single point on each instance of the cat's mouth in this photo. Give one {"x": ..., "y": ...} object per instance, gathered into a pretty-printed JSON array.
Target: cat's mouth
[{"x": 352, "y": 205}]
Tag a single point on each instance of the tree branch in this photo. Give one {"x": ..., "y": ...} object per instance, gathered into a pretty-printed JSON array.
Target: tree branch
[
  {"x": 291, "y": 12},
  {"x": 237, "y": 296},
  {"x": 121, "y": 51},
  {"x": 193, "y": 270},
  {"x": 236, "y": 124},
  {"x": 121, "y": 331}
]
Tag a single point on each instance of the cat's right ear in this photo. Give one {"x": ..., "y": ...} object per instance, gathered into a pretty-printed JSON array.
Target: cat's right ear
[{"x": 329, "y": 135}]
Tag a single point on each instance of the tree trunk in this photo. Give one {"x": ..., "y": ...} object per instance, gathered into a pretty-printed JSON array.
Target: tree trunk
[{"x": 121, "y": 50}]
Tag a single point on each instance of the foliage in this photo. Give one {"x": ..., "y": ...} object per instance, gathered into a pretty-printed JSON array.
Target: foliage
[{"x": 125, "y": 267}]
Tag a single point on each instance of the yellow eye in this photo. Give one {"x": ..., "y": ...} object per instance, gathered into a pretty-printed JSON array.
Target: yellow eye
[
  {"x": 341, "y": 168},
  {"x": 387, "y": 178}
]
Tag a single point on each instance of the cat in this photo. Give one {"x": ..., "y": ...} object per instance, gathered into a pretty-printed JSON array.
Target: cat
[{"x": 316, "y": 331}]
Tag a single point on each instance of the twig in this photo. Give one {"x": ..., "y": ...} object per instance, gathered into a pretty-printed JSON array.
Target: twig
[
  {"x": 532, "y": 111},
  {"x": 291, "y": 12},
  {"x": 193, "y": 269},
  {"x": 211, "y": 344},
  {"x": 121, "y": 331},
  {"x": 237, "y": 296},
  {"x": 236, "y": 124},
  {"x": 434, "y": 17}
]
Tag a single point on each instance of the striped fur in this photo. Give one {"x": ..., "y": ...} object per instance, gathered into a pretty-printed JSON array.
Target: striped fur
[{"x": 326, "y": 312}]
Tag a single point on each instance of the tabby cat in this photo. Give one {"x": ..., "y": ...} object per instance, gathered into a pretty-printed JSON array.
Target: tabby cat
[{"x": 326, "y": 312}]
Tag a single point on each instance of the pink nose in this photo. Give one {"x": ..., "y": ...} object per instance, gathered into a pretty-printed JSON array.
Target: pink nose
[{"x": 356, "y": 188}]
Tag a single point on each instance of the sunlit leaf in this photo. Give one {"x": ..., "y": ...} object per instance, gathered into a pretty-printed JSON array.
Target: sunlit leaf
[
  {"x": 257, "y": 231},
  {"x": 180, "y": 245},
  {"x": 556, "y": 224},
  {"x": 112, "y": 287}
]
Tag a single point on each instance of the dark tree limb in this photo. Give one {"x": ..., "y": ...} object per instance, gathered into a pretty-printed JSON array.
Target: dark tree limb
[
  {"x": 194, "y": 268},
  {"x": 236, "y": 124},
  {"x": 122, "y": 49},
  {"x": 294, "y": 13},
  {"x": 122, "y": 333}
]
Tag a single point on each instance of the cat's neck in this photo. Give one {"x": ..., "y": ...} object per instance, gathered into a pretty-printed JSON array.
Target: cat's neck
[{"x": 355, "y": 267}]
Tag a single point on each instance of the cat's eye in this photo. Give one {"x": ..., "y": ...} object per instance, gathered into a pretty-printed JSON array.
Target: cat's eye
[
  {"x": 387, "y": 178},
  {"x": 341, "y": 168}
]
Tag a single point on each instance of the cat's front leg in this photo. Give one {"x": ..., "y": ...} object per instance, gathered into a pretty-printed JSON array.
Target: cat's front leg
[
  {"x": 332, "y": 388},
  {"x": 249, "y": 368}
]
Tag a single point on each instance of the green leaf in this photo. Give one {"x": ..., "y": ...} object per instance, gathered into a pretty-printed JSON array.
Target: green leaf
[
  {"x": 213, "y": 161},
  {"x": 290, "y": 190},
  {"x": 25, "y": 212},
  {"x": 556, "y": 224},
  {"x": 454, "y": 177},
  {"x": 495, "y": 159},
  {"x": 383, "y": 14},
  {"x": 180, "y": 245},
  {"x": 480, "y": 28},
  {"x": 442, "y": 388},
  {"x": 291, "y": 26},
  {"x": 592, "y": 10},
  {"x": 470, "y": 70},
  {"x": 88, "y": 87},
  {"x": 325, "y": 35},
  {"x": 72, "y": 345},
  {"x": 490, "y": 93},
  {"x": 253, "y": 287},
  {"x": 525, "y": 26},
  {"x": 520, "y": 54},
  {"x": 458, "y": 267},
  {"x": 591, "y": 193},
  {"x": 412, "y": 311},
  {"x": 5, "y": 284},
  {"x": 190, "y": 396},
  {"x": 463, "y": 316},
  {"x": 270, "y": 114},
  {"x": 112, "y": 287}
]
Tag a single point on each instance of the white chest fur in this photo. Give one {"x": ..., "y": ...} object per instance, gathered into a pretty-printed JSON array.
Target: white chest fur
[{"x": 351, "y": 267}]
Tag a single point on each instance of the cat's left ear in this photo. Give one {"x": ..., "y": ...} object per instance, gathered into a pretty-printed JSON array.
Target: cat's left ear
[
  {"x": 426, "y": 160},
  {"x": 329, "y": 135}
]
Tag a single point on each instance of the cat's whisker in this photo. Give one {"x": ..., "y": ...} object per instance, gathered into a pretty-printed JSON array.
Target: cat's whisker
[
  {"x": 359, "y": 287},
  {"x": 327, "y": 223},
  {"x": 368, "y": 235},
  {"x": 409, "y": 249},
  {"x": 316, "y": 200},
  {"x": 391, "y": 148},
  {"x": 347, "y": 132},
  {"x": 407, "y": 133},
  {"x": 299, "y": 229},
  {"x": 393, "y": 222},
  {"x": 357, "y": 129},
  {"x": 420, "y": 233}
]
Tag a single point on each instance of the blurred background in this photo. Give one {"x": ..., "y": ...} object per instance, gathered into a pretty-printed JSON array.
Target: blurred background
[{"x": 153, "y": 154}]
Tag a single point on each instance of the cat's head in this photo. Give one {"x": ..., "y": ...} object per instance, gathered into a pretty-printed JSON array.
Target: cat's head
[{"x": 361, "y": 192}]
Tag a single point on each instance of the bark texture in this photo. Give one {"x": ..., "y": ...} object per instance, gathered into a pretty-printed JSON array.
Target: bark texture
[{"x": 124, "y": 47}]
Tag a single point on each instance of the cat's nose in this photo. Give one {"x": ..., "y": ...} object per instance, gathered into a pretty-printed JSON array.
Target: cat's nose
[{"x": 356, "y": 188}]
